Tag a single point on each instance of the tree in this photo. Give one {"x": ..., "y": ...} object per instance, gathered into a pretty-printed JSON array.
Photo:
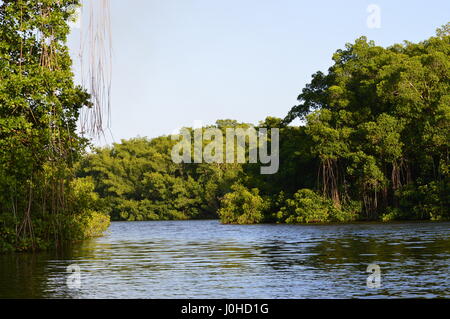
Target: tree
[
  {"x": 379, "y": 120},
  {"x": 242, "y": 206},
  {"x": 39, "y": 109}
]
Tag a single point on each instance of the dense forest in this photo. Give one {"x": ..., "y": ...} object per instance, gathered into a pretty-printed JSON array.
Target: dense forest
[{"x": 373, "y": 145}]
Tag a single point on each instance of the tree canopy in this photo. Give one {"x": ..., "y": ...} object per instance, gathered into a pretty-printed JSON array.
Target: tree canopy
[{"x": 374, "y": 145}]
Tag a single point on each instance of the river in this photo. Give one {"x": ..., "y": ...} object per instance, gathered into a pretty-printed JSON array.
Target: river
[{"x": 205, "y": 259}]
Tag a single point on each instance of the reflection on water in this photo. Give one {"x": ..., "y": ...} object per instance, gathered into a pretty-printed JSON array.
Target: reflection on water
[{"x": 204, "y": 259}]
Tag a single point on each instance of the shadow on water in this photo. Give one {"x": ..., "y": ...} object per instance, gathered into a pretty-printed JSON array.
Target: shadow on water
[
  {"x": 33, "y": 275},
  {"x": 22, "y": 276}
]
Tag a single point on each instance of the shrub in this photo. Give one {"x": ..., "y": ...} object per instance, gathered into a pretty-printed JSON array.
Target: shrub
[
  {"x": 391, "y": 214},
  {"x": 88, "y": 218},
  {"x": 348, "y": 212},
  {"x": 95, "y": 224},
  {"x": 242, "y": 206},
  {"x": 429, "y": 201},
  {"x": 307, "y": 206}
]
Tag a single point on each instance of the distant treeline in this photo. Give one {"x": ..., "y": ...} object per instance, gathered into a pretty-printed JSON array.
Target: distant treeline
[{"x": 374, "y": 146}]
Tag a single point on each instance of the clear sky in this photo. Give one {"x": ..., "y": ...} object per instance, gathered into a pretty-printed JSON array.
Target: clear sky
[{"x": 177, "y": 62}]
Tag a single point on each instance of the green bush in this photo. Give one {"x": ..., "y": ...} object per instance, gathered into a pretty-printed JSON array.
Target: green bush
[
  {"x": 307, "y": 206},
  {"x": 95, "y": 225},
  {"x": 430, "y": 201},
  {"x": 88, "y": 216},
  {"x": 81, "y": 216},
  {"x": 242, "y": 206},
  {"x": 348, "y": 212},
  {"x": 391, "y": 214}
]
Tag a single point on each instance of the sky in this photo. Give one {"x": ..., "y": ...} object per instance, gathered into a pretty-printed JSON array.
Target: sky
[{"x": 180, "y": 63}]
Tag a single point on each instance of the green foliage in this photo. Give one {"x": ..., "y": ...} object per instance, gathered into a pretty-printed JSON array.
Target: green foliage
[
  {"x": 141, "y": 182},
  {"x": 392, "y": 214},
  {"x": 379, "y": 120},
  {"x": 96, "y": 225},
  {"x": 91, "y": 219},
  {"x": 39, "y": 109},
  {"x": 307, "y": 206},
  {"x": 242, "y": 206},
  {"x": 430, "y": 201}
]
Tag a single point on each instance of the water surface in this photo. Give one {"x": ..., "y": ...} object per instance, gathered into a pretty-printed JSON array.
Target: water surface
[{"x": 204, "y": 259}]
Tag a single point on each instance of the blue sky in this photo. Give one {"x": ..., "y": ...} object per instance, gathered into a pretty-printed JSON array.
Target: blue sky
[{"x": 180, "y": 61}]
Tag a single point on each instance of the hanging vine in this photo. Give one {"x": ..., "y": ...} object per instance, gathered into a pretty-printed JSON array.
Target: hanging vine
[{"x": 95, "y": 56}]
